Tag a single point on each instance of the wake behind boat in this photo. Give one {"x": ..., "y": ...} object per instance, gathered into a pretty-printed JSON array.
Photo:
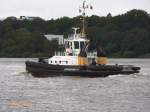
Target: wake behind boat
[{"x": 76, "y": 60}]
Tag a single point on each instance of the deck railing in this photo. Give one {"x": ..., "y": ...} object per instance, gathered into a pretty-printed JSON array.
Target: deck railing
[
  {"x": 59, "y": 53},
  {"x": 89, "y": 54}
]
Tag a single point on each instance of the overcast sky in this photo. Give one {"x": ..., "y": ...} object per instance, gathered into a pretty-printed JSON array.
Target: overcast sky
[{"x": 48, "y": 9}]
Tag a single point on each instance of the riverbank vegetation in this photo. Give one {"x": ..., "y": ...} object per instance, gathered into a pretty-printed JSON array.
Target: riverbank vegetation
[{"x": 126, "y": 35}]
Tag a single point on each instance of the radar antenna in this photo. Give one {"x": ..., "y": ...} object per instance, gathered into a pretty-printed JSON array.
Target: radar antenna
[{"x": 75, "y": 31}]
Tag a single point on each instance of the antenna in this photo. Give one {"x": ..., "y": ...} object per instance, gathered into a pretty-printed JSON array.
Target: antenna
[{"x": 83, "y": 9}]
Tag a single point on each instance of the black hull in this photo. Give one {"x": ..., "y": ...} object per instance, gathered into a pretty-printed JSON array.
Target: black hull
[{"x": 38, "y": 69}]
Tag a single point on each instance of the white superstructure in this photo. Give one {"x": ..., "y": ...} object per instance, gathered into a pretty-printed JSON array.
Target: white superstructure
[{"x": 73, "y": 45}]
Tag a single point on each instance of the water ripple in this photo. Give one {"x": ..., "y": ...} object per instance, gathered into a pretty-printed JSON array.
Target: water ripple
[{"x": 20, "y": 92}]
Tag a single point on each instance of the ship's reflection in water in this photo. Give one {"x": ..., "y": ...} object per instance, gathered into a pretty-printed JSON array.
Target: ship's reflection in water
[{"x": 20, "y": 92}]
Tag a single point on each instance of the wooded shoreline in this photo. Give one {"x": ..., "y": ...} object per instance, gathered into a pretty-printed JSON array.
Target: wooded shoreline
[{"x": 122, "y": 36}]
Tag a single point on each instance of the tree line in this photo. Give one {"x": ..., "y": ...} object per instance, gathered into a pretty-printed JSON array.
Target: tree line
[{"x": 126, "y": 35}]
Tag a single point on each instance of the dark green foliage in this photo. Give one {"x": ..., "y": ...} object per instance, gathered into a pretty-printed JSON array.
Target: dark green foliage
[{"x": 126, "y": 35}]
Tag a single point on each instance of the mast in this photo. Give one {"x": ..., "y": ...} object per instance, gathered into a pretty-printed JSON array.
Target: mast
[{"x": 83, "y": 10}]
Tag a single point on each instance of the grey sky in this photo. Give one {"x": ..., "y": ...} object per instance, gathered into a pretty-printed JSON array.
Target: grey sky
[{"x": 57, "y": 8}]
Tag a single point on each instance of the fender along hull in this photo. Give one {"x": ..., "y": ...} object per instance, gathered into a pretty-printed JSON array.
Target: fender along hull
[{"x": 38, "y": 69}]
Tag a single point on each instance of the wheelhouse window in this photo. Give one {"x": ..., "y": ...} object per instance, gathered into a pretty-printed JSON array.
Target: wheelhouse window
[
  {"x": 67, "y": 44},
  {"x": 76, "y": 45},
  {"x": 82, "y": 44}
]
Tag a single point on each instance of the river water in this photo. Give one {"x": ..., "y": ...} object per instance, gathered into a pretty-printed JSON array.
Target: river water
[{"x": 20, "y": 92}]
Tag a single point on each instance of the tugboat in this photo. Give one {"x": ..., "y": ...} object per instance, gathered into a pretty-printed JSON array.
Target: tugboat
[{"x": 76, "y": 60}]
